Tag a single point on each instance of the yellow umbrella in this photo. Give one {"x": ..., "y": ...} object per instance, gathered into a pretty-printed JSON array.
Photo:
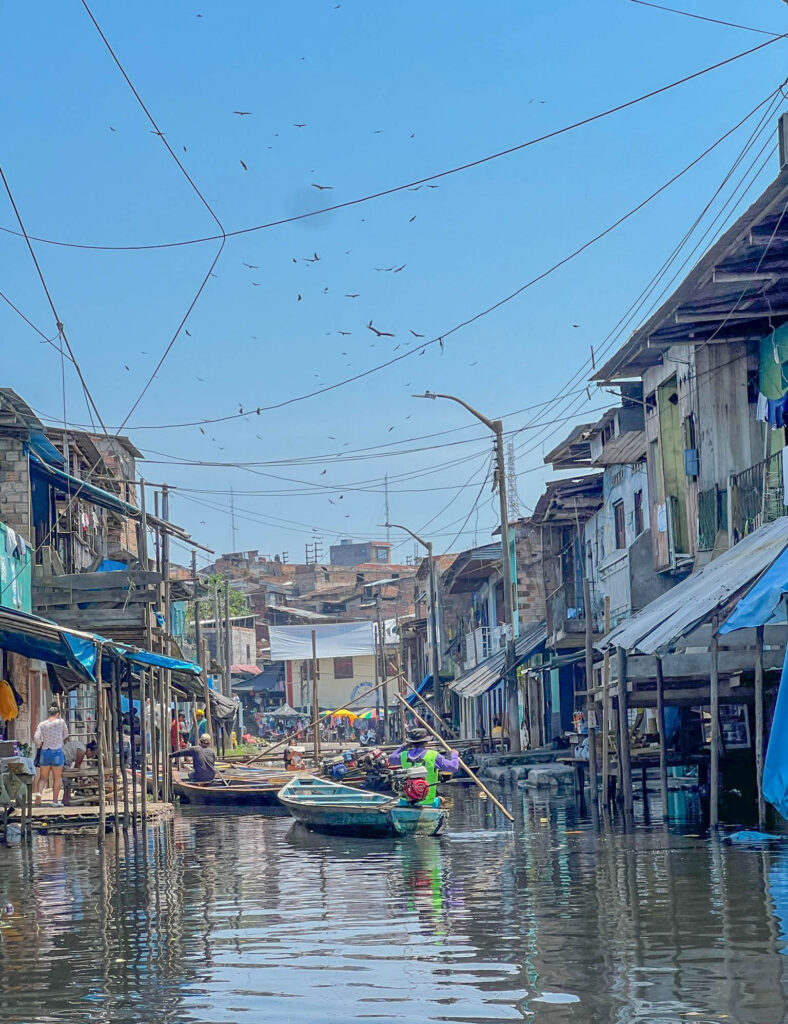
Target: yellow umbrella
[{"x": 344, "y": 713}]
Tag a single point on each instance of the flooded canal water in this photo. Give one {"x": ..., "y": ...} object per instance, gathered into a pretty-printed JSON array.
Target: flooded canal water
[{"x": 244, "y": 918}]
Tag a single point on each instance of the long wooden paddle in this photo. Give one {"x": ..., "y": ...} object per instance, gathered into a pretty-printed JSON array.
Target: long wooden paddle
[{"x": 446, "y": 746}]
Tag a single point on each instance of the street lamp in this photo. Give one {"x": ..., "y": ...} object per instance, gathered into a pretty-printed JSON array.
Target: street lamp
[
  {"x": 496, "y": 426},
  {"x": 434, "y": 659}
]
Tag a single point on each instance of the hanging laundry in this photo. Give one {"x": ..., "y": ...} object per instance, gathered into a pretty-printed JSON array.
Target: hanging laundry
[
  {"x": 21, "y": 545},
  {"x": 8, "y": 706},
  {"x": 776, "y": 411},
  {"x": 11, "y": 542},
  {"x": 762, "y": 408}
]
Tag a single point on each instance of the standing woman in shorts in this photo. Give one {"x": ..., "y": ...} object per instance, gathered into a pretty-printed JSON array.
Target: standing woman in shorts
[{"x": 50, "y": 738}]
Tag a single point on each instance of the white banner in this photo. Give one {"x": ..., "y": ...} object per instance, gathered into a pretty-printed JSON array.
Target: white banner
[{"x": 336, "y": 640}]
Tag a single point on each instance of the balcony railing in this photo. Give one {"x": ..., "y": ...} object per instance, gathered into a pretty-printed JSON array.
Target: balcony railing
[
  {"x": 757, "y": 496},
  {"x": 482, "y": 643}
]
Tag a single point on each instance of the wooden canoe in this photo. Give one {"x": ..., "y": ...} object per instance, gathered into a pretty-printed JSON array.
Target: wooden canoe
[
  {"x": 235, "y": 793},
  {"x": 332, "y": 807}
]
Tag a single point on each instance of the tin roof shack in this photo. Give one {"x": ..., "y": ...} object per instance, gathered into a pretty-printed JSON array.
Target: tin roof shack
[
  {"x": 618, "y": 552},
  {"x": 561, "y": 513},
  {"x": 702, "y": 357},
  {"x": 60, "y": 492}
]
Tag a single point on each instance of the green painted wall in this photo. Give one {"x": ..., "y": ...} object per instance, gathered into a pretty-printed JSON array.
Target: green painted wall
[{"x": 16, "y": 576}]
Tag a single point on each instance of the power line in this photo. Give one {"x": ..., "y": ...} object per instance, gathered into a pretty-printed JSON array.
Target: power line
[
  {"x": 440, "y": 338},
  {"x": 203, "y": 200},
  {"x": 701, "y": 17},
  {"x": 418, "y": 181}
]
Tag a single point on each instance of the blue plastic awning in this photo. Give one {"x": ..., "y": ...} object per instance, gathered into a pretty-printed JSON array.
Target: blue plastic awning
[
  {"x": 34, "y": 637},
  {"x": 72, "y": 486},
  {"x": 761, "y": 604},
  {"x": 159, "y": 661},
  {"x": 426, "y": 681}
]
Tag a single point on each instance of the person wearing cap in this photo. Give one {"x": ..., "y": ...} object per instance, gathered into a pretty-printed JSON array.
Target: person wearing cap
[
  {"x": 203, "y": 759},
  {"x": 414, "y": 752}
]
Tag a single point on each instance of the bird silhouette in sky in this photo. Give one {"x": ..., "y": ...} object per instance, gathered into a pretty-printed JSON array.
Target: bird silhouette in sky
[
  {"x": 323, "y": 473},
  {"x": 112, "y": 129},
  {"x": 242, "y": 113},
  {"x": 187, "y": 332},
  {"x": 344, "y": 333},
  {"x": 323, "y": 188},
  {"x": 415, "y": 335},
  {"x": 352, "y": 296},
  {"x": 411, "y": 220},
  {"x": 312, "y": 259},
  {"x": 251, "y": 266},
  {"x": 299, "y": 125},
  {"x": 400, "y": 268},
  {"x": 433, "y": 186},
  {"x": 201, "y": 430},
  {"x": 244, "y": 165},
  {"x": 299, "y": 297},
  {"x": 379, "y": 334}
]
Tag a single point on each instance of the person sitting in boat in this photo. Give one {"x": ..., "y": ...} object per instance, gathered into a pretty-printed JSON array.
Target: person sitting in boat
[
  {"x": 203, "y": 759},
  {"x": 414, "y": 752}
]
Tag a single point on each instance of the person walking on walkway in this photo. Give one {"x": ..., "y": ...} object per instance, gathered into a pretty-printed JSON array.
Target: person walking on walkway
[{"x": 50, "y": 738}]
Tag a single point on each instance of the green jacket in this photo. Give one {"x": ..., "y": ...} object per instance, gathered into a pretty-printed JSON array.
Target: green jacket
[{"x": 433, "y": 778}]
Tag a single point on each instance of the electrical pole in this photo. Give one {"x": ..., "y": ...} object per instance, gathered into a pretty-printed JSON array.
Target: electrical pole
[
  {"x": 228, "y": 644},
  {"x": 433, "y": 614},
  {"x": 509, "y": 674},
  {"x": 383, "y": 665}
]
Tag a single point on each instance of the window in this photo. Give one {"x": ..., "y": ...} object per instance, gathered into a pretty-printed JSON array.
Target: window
[
  {"x": 381, "y": 554},
  {"x": 621, "y": 533},
  {"x": 638, "y": 513},
  {"x": 343, "y": 668}
]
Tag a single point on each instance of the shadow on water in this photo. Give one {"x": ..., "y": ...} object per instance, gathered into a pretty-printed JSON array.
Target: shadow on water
[{"x": 249, "y": 917}]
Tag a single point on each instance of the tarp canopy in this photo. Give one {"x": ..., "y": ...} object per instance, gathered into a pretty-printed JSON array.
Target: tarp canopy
[
  {"x": 337, "y": 640},
  {"x": 223, "y": 708},
  {"x": 72, "y": 486},
  {"x": 762, "y": 603},
  {"x": 284, "y": 711},
  {"x": 34, "y": 637},
  {"x": 657, "y": 628},
  {"x": 423, "y": 685}
]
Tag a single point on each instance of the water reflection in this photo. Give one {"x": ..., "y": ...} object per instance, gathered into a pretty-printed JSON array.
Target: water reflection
[{"x": 250, "y": 918}]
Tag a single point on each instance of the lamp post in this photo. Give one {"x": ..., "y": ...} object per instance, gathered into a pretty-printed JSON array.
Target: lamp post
[
  {"x": 496, "y": 426},
  {"x": 433, "y": 617}
]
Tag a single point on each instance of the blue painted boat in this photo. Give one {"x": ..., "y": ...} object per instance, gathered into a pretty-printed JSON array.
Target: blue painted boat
[{"x": 328, "y": 806}]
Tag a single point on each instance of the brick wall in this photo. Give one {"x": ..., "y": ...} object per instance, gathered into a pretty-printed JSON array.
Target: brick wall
[
  {"x": 530, "y": 579},
  {"x": 15, "y": 486}
]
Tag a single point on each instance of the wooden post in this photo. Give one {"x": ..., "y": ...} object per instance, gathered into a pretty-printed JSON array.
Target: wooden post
[
  {"x": 759, "y": 725},
  {"x": 624, "y": 764},
  {"x": 383, "y": 666},
  {"x": 112, "y": 719},
  {"x": 315, "y": 704},
  {"x": 100, "y": 748},
  {"x": 663, "y": 741},
  {"x": 590, "y": 703},
  {"x": 123, "y": 776},
  {"x": 714, "y": 708},
  {"x": 604, "y": 797},
  {"x": 143, "y": 766},
  {"x": 134, "y": 759}
]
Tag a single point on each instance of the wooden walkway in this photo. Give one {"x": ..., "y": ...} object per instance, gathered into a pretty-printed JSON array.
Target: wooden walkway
[{"x": 47, "y": 819}]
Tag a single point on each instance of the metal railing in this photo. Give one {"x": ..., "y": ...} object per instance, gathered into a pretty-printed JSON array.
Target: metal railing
[{"x": 757, "y": 496}]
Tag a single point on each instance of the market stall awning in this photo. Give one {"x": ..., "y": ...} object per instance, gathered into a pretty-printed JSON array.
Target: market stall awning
[
  {"x": 223, "y": 708},
  {"x": 34, "y": 637},
  {"x": 245, "y": 670},
  {"x": 657, "y": 628},
  {"x": 486, "y": 675},
  {"x": 284, "y": 711}
]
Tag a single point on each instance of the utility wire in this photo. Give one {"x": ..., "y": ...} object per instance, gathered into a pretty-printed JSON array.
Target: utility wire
[
  {"x": 418, "y": 181},
  {"x": 440, "y": 338},
  {"x": 222, "y": 237},
  {"x": 701, "y": 17}
]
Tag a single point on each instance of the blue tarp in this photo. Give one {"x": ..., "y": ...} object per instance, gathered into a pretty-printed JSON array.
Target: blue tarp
[
  {"x": 426, "y": 681},
  {"x": 88, "y": 492},
  {"x": 775, "y": 769},
  {"x": 160, "y": 661},
  {"x": 29, "y": 636},
  {"x": 762, "y": 602}
]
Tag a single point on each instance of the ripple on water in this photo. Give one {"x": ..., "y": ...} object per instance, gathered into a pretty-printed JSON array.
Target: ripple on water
[{"x": 245, "y": 917}]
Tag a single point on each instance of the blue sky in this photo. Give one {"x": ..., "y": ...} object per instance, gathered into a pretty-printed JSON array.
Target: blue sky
[{"x": 388, "y": 93}]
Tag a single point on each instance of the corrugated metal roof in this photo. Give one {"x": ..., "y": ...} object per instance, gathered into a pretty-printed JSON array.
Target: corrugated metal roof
[
  {"x": 480, "y": 679},
  {"x": 661, "y": 623},
  {"x": 625, "y": 450}
]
